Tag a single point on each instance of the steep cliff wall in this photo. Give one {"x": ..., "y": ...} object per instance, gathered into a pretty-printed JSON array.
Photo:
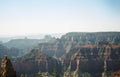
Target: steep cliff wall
[{"x": 93, "y": 59}]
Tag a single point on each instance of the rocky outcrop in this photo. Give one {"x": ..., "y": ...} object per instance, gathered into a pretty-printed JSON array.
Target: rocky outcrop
[
  {"x": 116, "y": 74},
  {"x": 7, "y": 69}
]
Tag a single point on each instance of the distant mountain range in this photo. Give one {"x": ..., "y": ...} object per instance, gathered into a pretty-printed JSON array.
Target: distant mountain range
[{"x": 38, "y": 36}]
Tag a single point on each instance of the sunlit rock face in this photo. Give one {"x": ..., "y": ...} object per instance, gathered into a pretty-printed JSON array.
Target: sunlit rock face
[
  {"x": 116, "y": 74},
  {"x": 7, "y": 69}
]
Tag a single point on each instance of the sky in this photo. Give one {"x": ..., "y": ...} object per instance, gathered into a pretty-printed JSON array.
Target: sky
[{"x": 25, "y": 17}]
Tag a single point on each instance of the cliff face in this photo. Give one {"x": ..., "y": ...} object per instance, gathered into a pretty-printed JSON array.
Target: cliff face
[
  {"x": 52, "y": 49},
  {"x": 76, "y": 39},
  {"x": 7, "y": 68},
  {"x": 93, "y": 59},
  {"x": 61, "y": 46},
  {"x": 36, "y": 62}
]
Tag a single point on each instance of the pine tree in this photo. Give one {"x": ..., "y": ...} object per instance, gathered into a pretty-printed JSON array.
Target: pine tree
[
  {"x": 54, "y": 74},
  {"x": 40, "y": 75}
]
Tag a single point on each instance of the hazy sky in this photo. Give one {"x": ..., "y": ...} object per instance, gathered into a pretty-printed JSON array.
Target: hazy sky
[{"x": 23, "y": 17}]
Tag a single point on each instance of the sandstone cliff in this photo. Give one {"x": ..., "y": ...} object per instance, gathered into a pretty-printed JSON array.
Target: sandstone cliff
[
  {"x": 7, "y": 68},
  {"x": 93, "y": 59}
]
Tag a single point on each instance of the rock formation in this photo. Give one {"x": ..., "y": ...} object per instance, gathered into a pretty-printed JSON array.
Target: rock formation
[
  {"x": 7, "y": 68},
  {"x": 116, "y": 74},
  {"x": 95, "y": 60},
  {"x": 37, "y": 62}
]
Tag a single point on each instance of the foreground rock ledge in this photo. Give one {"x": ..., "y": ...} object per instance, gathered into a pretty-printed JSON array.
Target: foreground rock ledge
[{"x": 7, "y": 69}]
